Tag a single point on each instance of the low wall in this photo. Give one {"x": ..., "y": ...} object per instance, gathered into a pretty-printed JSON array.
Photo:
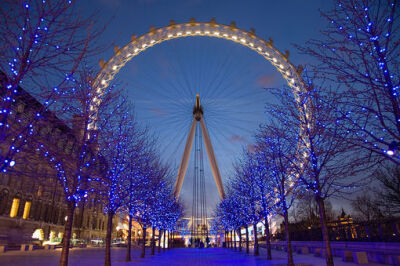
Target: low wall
[{"x": 379, "y": 252}]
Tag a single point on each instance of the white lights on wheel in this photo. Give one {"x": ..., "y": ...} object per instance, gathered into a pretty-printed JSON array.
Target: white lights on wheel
[{"x": 138, "y": 45}]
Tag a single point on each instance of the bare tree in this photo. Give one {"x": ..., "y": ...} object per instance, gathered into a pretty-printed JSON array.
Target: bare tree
[
  {"x": 140, "y": 158},
  {"x": 42, "y": 44},
  {"x": 327, "y": 165},
  {"x": 306, "y": 211},
  {"x": 246, "y": 190},
  {"x": 360, "y": 51},
  {"x": 115, "y": 143},
  {"x": 78, "y": 166},
  {"x": 279, "y": 150},
  {"x": 367, "y": 208},
  {"x": 389, "y": 190}
]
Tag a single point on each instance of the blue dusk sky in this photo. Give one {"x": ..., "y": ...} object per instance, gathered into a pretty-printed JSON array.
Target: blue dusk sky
[{"x": 231, "y": 79}]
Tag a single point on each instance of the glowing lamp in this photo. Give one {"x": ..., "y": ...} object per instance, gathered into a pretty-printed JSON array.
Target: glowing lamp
[{"x": 392, "y": 148}]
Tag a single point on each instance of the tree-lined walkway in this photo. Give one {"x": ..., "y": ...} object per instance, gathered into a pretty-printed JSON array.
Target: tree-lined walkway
[{"x": 176, "y": 257}]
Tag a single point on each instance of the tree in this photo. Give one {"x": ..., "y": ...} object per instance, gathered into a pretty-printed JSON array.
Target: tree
[
  {"x": 389, "y": 191},
  {"x": 326, "y": 164},
  {"x": 115, "y": 147},
  {"x": 260, "y": 171},
  {"x": 139, "y": 162},
  {"x": 280, "y": 151},
  {"x": 360, "y": 51},
  {"x": 78, "y": 164},
  {"x": 42, "y": 45},
  {"x": 231, "y": 212},
  {"x": 153, "y": 202},
  {"x": 245, "y": 187},
  {"x": 306, "y": 211},
  {"x": 367, "y": 207}
]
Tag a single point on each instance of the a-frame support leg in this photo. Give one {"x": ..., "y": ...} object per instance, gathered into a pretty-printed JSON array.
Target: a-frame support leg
[
  {"x": 185, "y": 160},
  {"x": 211, "y": 158}
]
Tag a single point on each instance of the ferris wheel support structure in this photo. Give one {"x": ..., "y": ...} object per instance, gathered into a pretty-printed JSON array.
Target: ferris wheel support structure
[{"x": 198, "y": 117}]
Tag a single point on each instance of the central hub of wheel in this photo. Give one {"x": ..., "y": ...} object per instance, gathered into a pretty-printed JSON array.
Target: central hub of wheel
[{"x": 198, "y": 109}]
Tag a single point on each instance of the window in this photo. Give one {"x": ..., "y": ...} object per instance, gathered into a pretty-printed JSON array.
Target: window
[
  {"x": 14, "y": 207},
  {"x": 27, "y": 208}
]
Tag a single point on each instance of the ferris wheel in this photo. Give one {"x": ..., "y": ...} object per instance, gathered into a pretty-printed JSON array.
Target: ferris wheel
[{"x": 226, "y": 66}]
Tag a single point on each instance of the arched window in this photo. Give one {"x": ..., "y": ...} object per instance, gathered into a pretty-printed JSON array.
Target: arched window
[
  {"x": 27, "y": 208},
  {"x": 14, "y": 207}
]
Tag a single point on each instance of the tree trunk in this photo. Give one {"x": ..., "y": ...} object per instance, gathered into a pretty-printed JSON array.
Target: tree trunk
[
  {"x": 226, "y": 238},
  {"x": 234, "y": 239},
  {"x": 168, "y": 240},
  {"x": 82, "y": 210},
  {"x": 247, "y": 240},
  {"x": 267, "y": 239},
  {"x": 107, "y": 261},
  {"x": 172, "y": 239},
  {"x": 230, "y": 239},
  {"x": 288, "y": 243},
  {"x": 144, "y": 242},
  {"x": 67, "y": 233},
  {"x": 325, "y": 233},
  {"x": 240, "y": 240},
  {"x": 153, "y": 241},
  {"x": 159, "y": 240},
  {"x": 128, "y": 249},
  {"x": 256, "y": 251},
  {"x": 164, "y": 231}
]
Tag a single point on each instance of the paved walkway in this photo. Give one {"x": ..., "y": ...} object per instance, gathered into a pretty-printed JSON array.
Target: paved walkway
[{"x": 176, "y": 257}]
